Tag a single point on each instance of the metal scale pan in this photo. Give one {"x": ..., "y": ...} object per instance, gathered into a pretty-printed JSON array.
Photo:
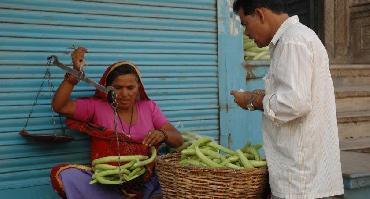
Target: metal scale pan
[{"x": 53, "y": 60}]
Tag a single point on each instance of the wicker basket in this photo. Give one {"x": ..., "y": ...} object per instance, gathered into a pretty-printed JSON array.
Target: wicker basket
[{"x": 179, "y": 181}]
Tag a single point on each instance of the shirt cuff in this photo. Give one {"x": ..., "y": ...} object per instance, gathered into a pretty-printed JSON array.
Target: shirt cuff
[
  {"x": 267, "y": 106},
  {"x": 268, "y": 110}
]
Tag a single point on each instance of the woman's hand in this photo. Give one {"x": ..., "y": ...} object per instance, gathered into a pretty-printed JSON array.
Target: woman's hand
[
  {"x": 154, "y": 137},
  {"x": 78, "y": 58}
]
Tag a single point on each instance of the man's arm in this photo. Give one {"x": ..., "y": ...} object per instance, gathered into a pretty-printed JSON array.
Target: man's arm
[{"x": 290, "y": 83}]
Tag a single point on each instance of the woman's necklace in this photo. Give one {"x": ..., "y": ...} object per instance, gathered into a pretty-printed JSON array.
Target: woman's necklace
[{"x": 129, "y": 127}]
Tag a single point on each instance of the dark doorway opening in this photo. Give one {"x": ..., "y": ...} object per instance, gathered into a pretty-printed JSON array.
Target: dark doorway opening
[{"x": 310, "y": 13}]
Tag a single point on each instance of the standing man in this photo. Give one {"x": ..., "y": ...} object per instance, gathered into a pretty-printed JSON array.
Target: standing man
[{"x": 300, "y": 132}]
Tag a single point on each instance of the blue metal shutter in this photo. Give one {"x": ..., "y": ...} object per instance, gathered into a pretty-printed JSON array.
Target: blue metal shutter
[{"x": 173, "y": 42}]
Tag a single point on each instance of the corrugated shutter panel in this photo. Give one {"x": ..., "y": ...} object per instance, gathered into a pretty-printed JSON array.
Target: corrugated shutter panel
[{"x": 173, "y": 42}]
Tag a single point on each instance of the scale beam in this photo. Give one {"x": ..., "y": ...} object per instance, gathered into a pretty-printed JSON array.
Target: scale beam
[{"x": 53, "y": 59}]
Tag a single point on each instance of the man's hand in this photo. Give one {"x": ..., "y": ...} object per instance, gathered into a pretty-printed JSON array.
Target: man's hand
[{"x": 242, "y": 97}]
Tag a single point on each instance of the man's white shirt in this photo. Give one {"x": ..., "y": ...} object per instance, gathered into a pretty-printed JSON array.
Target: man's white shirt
[{"x": 300, "y": 130}]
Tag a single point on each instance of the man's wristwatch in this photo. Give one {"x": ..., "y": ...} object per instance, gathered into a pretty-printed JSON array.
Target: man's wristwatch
[{"x": 250, "y": 106}]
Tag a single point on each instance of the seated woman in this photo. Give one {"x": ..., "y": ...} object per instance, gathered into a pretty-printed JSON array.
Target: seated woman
[{"x": 140, "y": 124}]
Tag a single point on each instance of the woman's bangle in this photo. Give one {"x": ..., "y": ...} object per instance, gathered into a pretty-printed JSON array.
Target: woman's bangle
[
  {"x": 69, "y": 78},
  {"x": 164, "y": 134}
]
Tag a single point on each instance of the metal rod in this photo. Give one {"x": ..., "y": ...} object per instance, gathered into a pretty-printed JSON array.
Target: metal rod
[{"x": 53, "y": 59}]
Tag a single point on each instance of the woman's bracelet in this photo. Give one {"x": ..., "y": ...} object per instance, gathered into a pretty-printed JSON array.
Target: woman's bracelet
[
  {"x": 164, "y": 134},
  {"x": 71, "y": 79}
]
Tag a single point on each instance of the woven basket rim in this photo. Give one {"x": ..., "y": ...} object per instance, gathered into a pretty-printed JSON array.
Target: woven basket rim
[
  {"x": 178, "y": 181},
  {"x": 162, "y": 159}
]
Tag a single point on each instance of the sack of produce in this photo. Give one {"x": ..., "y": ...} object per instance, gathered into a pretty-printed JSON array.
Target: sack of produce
[{"x": 253, "y": 52}]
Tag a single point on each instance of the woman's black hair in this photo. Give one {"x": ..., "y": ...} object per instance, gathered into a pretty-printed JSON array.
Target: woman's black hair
[
  {"x": 123, "y": 69},
  {"x": 277, "y": 6}
]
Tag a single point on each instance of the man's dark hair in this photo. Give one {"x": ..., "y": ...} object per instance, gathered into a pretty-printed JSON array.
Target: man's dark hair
[{"x": 277, "y": 6}]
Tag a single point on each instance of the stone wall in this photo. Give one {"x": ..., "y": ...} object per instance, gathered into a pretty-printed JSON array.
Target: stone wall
[{"x": 347, "y": 31}]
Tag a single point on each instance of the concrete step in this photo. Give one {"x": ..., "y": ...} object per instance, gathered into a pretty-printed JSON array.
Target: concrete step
[
  {"x": 356, "y": 170},
  {"x": 353, "y": 124},
  {"x": 355, "y": 144},
  {"x": 350, "y": 75},
  {"x": 352, "y": 98}
]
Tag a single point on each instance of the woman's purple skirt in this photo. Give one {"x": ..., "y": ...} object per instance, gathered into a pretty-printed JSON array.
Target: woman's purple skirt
[{"x": 77, "y": 185}]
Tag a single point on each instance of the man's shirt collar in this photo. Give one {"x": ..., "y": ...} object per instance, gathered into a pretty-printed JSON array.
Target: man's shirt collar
[{"x": 284, "y": 26}]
